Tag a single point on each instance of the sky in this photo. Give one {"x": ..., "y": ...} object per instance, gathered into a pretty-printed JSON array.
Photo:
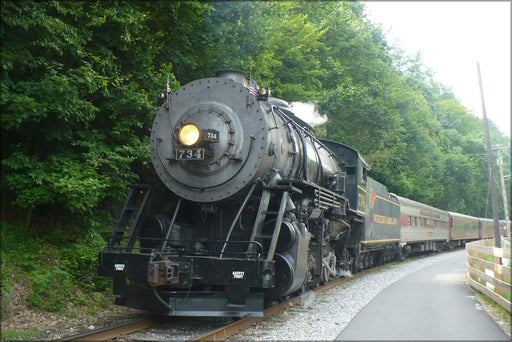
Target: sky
[{"x": 452, "y": 37}]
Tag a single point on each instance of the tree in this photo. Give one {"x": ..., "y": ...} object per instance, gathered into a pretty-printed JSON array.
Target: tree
[
  {"x": 78, "y": 80},
  {"x": 273, "y": 42},
  {"x": 77, "y": 88}
]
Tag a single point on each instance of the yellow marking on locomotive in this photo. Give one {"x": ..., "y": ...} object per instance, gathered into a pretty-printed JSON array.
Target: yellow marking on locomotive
[
  {"x": 361, "y": 200},
  {"x": 388, "y": 200},
  {"x": 385, "y": 219},
  {"x": 375, "y": 241}
]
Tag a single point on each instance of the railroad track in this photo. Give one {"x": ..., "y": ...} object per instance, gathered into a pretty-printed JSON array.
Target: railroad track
[
  {"x": 229, "y": 330},
  {"x": 220, "y": 334},
  {"x": 111, "y": 332}
]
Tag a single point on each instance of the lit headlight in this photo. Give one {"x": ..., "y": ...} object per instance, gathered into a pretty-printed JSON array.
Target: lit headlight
[
  {"x": 263, "y": 93},
  {"x": 189, "y": 134}
]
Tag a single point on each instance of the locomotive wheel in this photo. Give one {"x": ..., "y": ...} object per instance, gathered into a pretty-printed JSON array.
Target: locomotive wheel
[
  {"x": 346, "y": 261},
  {"x": 311, "y": 268},
  {"x": 312, "y": 280},
  {"x": 328, "y": 263},
  {"x": 364, "y": 261}
]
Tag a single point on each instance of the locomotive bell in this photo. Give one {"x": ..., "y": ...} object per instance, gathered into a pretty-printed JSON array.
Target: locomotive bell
[{"x": 235, "y": 75}]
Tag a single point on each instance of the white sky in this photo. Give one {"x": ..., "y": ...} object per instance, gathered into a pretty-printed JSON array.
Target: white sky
[{"x": 452, "y": 37}]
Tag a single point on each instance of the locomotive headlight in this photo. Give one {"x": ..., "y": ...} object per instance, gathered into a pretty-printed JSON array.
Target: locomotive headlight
[
  {"x": 189, "y": 134},
  {"x": 263, "y": 93},
  {"x": 161, "y": 96}
]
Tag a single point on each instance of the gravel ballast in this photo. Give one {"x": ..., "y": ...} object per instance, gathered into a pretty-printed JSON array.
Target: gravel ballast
[
  {"x": 318, "y": 316},
  {"x": 323, "y": 316}
]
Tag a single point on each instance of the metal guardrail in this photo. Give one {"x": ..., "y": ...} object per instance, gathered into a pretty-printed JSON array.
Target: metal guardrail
[{"x": 489, "y": 270}]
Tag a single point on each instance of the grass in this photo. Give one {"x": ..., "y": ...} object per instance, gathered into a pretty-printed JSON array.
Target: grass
[
  {"x": 496, "y": 311},
  {"x": 53, "y": 275},
  {"x": 23, "y": 335}
]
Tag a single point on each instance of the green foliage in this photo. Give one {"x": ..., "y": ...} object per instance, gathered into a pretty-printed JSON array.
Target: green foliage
[
  {"x": 58, "y": 273},
  {"x": 51, "y": 289},
  {"x": 80, "y": 260},
  {"x": 77, "y": 88},
  {"x": 76, "y": 80},
  {"x": 75, "y": 101},
  {"x": 421, "y": 142},
  {"x": 7, "y": 290},
  {"x": 24, "y": 335},
  {"x": 272, "y": 41},
  {"x": 78, "y": 91}
]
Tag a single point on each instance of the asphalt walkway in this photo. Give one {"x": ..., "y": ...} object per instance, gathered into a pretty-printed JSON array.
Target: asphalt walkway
[{"x": 434, "y": 303}]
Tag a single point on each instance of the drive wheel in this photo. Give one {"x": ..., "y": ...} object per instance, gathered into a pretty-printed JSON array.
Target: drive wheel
[
  {"x": 347, "y": 261},
  {"x": 328, "y": 263},
  {"x": 312, "y": 276}
]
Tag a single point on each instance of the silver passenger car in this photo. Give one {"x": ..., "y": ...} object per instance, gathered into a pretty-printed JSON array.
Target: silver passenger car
[{"x": 423, "y": 227}]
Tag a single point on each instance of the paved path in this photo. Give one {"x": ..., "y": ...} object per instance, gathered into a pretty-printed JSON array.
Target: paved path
[{"x": 434, "y": 303}]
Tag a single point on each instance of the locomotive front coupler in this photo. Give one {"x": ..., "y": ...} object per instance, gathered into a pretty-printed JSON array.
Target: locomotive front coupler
[
  {"x": 234, "y": 274},
  {"x": 163, "y": 270},
  {"x": 166, "y": 272}
]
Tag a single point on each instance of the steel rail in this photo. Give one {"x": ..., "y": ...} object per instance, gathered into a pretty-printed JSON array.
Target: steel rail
[
  {"x": 110, "y": 332},
  {"x": 221, "y": 334},
  {"x": 229, "y": 330}
]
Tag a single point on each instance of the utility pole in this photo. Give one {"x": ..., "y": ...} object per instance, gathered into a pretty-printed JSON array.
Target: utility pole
[
  {"x": 491, "y": 168},
  {"x": 503, "y": 188}
]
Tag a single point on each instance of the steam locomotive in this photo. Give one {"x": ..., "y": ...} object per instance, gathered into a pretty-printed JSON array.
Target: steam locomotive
[{"x": 250, "y": 207}]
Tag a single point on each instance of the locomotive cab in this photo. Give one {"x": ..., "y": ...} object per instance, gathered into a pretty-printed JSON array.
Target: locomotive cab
[{"x": 356, "y": 169}]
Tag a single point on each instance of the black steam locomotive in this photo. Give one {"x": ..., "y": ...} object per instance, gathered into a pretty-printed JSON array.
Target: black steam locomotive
[{"x": 251, "y": 207}]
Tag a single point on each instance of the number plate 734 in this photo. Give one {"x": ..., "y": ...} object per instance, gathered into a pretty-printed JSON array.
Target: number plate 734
[{"x": 190, "y": 154}]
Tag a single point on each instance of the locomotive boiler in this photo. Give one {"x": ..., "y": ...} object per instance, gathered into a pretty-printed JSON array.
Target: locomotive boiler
[{"x": 249, "y": 206}]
